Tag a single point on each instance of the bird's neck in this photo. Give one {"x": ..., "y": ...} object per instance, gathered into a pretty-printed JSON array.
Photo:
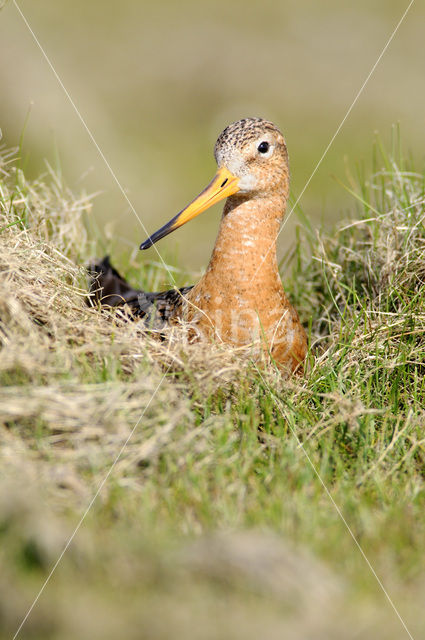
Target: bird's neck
[{"x": 244, "y": 255}]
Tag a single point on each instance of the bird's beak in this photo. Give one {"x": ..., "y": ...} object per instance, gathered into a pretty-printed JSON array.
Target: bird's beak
[{"x": 223, "y": 184}]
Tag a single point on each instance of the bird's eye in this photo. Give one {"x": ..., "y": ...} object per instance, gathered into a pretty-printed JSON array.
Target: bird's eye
[{"x": 263, "y": 147}]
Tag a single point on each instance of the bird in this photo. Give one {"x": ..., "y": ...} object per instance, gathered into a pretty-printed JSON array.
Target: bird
[{"x": 240, "y": 299}]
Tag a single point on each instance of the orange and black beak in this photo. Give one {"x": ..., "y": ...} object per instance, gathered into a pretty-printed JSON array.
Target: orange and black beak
[{"x": 223, "y": 184}]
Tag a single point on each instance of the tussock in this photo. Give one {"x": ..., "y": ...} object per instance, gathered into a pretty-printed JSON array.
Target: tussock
[
  {"x": 366, "y": 278},
  {"x": 43, "y": 296}
]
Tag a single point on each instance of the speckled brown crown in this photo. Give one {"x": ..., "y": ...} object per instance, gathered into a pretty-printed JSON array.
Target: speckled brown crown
[{"x": 239, "y": 133}]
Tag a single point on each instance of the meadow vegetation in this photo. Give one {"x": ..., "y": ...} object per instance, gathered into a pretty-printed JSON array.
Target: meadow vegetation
[{"x": 214, "y": 522}]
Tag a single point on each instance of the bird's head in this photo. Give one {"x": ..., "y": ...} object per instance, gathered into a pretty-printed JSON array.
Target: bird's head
[{"x": 252, "y": 162}]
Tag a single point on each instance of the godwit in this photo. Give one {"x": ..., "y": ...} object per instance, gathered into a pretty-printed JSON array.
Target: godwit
[{"x": 240, "y": 298}]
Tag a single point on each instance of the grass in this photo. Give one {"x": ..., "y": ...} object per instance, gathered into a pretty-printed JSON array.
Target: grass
[{"x": 214, "y": 522}]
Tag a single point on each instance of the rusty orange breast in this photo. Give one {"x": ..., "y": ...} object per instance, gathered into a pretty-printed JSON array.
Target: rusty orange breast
[{"x": 240, "y": 299}]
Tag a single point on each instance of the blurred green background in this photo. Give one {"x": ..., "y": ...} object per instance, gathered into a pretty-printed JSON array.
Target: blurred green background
[{"x": 156, "y": 83}]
